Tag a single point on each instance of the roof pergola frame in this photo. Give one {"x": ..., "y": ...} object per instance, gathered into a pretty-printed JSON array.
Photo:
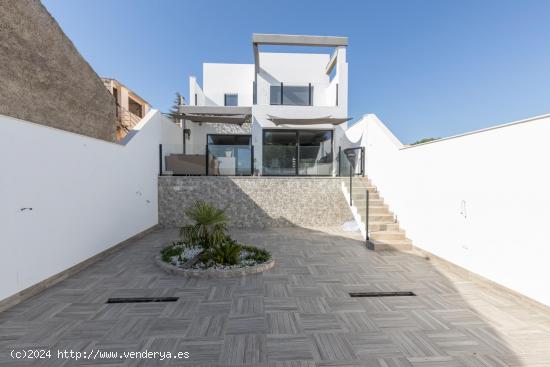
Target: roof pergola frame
[
  {"x": 298, "y": 40},
  {"x": 259, "y": 39}
]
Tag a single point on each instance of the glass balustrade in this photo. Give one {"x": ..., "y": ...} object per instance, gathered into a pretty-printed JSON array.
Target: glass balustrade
[
  {"x": 314, "y": 161},
  {"x": 229, "y": 160},
  {"x": 279, "y": 160}
]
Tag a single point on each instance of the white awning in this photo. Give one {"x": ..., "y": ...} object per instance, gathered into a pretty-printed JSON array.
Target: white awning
[{"x": 308, "y": 121}]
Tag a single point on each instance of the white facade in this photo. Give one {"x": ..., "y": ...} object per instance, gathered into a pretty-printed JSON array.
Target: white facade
[
  {"x": 67, "y": 197},
  {"x": 479, "y": 200},
  {"x": 320, "y": 79}
]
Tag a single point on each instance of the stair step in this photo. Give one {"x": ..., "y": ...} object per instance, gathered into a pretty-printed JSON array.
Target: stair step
[
  {"x": 381, "y": 218},
  {"x": 375, "y": 213},
  {"x": 372, "y": 198},
  {"x": 387, "y": 235},
  {"x": 380, "y": 245},
  {"x": 381, "y": 226},
  {"x": 374, "y": 210},
  {"x": 356, "y": 194},
  {"x": 384, "y": 232},
  {"x": 362, "y": 188},
  {"x": 372, "y": 204}
]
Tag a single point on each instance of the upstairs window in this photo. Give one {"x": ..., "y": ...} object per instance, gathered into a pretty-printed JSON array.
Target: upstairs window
[
  {"x": 231, "y": 99},
  {"x": 291, "y": 95}
]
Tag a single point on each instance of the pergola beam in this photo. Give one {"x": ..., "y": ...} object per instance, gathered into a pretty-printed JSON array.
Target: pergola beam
[{"x": 298, "y": 40}]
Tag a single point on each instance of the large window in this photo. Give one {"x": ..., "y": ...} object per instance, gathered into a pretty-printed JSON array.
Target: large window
[
  {"x": 291, "y": 95},
  {"x": 297, "y": 152},
  {"x": 231, "y": 99},
  {"x": 229, "y": 155}
]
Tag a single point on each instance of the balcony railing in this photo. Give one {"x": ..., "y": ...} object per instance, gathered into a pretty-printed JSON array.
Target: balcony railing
[
  {"x": 351, "y": 160},
  {"x": 291, "y": 95},
  {"x": 230, "y": 160},
  {"x": 219, "y": 160}
]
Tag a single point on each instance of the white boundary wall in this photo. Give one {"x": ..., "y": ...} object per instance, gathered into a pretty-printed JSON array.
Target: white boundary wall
[
  {"x": 480, "y": 200},
  {"x": 86, "y": 195}
]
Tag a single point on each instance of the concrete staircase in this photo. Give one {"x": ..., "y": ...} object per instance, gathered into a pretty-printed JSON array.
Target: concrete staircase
[{"x": 384, "y": 231}]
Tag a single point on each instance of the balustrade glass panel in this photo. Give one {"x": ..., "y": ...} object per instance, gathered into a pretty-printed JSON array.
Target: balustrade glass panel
[
  {"x": 315, "y": 153},
  {"x": 229, "y": 160},
  {"x": 296, "y": 95},
  {"x": 279, "y": 153},
  {"x": 292, "y": 95}
]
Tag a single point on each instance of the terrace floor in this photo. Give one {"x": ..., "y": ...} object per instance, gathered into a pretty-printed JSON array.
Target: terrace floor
[{"x": 298, "y": 314}]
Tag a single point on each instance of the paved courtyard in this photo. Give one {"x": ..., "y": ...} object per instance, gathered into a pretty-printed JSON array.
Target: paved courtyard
[{"x": 298, "y": 314}]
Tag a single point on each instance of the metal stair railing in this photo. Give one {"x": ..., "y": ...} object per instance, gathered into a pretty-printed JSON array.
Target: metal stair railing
[
  {"x": 351, "y": 176},
  {"x": 367, "y": 216}
]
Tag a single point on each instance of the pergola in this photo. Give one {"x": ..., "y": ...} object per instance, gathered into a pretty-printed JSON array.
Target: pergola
[{"x": 295, "y": 40}]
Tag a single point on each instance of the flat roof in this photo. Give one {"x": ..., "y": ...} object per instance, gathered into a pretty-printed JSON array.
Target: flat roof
[{"x": 298, "y": 40}]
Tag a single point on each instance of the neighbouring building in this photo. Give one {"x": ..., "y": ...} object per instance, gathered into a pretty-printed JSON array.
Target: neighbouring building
[
  {"x": 44, "y": 79},
  {"x": 130, "y": 108},
  {"x": 283, "y": 115}
]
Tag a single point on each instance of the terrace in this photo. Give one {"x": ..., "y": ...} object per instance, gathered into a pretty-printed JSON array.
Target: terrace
[
  {"x": 458, "y": 275},
  {"x": 296, "y": 314}
]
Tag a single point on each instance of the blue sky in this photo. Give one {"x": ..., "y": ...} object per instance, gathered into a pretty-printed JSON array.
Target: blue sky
[{"x": 426, "y": 68}]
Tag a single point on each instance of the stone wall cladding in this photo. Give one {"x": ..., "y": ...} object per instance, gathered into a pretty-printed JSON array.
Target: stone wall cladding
[
  {"x": 256, "y": 202},
  {"x": 213, "y": 128},
  {"x": 44, "y": 79}
]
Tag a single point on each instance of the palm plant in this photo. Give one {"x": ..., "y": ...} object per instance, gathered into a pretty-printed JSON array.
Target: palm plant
[
  {"x": 209, "y": 229},
  {"x": 227, "y": 253}
]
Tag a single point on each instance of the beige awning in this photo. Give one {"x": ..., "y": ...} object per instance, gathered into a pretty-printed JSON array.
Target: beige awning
[
  {"x": 216, "y": 114},
  {"x": 308, "y": 121},
  {"x": 222, "y": 119}
]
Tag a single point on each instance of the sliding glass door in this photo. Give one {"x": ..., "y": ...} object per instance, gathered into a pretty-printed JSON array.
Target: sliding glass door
[
  {"x": 280, "y": 154},
  {"x": 297, "y": 152}
]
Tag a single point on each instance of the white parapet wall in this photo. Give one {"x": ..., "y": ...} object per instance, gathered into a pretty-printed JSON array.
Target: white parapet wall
[
  {"x": 480, "y": 200},
  {"x": 67, "y": 197}
]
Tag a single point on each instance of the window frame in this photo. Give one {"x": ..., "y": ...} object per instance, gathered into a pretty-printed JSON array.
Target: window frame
[
  {"x": 236, "y": 95},
  {"x": 281, "y": 94},
  {"x": 297, "y": 147}
]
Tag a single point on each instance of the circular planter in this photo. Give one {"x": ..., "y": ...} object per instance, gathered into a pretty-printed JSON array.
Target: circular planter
[{"x": 174, "y": 270}]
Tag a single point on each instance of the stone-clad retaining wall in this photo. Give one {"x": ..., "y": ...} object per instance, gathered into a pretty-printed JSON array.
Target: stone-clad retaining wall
[{"x": 257, "y": 201}]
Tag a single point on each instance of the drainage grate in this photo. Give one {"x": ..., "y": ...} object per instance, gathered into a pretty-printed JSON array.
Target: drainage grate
[
  {"x": 142, "y": 299},
  {"x": 381, "y": 294}
]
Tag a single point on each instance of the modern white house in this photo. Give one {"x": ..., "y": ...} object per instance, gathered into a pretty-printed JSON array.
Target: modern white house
[
  {"x": 460, "y": 279},
  {"x": 283, "y": 115}
]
